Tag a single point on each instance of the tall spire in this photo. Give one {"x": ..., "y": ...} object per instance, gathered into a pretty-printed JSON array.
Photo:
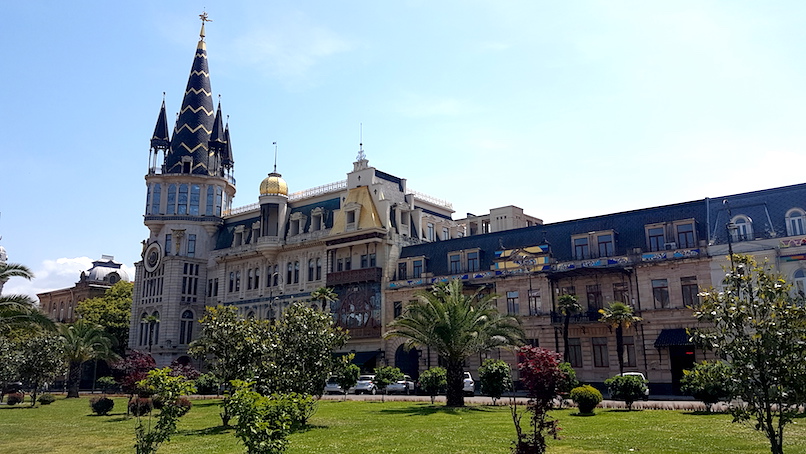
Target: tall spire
[
  {"x": 195, "y": 122},
  {"x": 160, "y": 139},
  {"x": 227, "y": 160}
]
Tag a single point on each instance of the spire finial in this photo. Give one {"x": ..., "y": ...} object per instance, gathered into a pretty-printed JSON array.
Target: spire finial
[
  {"x": 275, "y": 156},
  {"x": 204, "y": 18},
  {"x": 361, "y": 156}
]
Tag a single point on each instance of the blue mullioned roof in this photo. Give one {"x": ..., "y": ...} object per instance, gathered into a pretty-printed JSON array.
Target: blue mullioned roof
[
  {"x": 329, "y": 207},
  {"x": 226, "y": 233}
]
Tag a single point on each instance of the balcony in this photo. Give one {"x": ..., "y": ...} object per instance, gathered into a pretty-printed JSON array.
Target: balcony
[
  {"x": 355, "y": 276},
  {"x": 590, "y": 316}
]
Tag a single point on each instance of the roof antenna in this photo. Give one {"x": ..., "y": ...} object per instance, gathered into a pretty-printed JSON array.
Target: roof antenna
[
  {"x": 275, "y": 156},
  {"x": 361, "y": 156}
]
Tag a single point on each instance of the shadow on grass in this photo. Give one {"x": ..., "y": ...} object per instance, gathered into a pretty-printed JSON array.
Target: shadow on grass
[
  {"x": 584, "y": 415},
  {"x": 704, "y": 413},
  {"x": 433, "y": 409},
  {"x": 623, "y": 410},
  {"x": 206, "y": 431}
]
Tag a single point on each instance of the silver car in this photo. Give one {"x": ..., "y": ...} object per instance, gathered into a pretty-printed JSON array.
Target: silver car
[
  {"x": 405, "y": 386},
  {"x": 332, "y": 387},
  {"x": 365, "y": 385},
  {"x": 468, "y": 385}
]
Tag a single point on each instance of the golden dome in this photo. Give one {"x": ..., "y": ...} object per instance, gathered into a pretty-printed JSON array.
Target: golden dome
[{"x": 274, "y": 185}]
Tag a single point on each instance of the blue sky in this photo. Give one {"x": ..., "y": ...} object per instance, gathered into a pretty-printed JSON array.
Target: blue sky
[{"x": 567, "y": 109}]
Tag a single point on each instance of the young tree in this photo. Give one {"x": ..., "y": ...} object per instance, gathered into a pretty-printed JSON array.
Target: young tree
[
  {"x": 709, "y": 382},
  {"x": 385, "y": 376},
  {"x": 83, "y": 341},
  {"x": 112, "y": 311},
  {"x": 495, "y": 377},
  {"x": 568, "y": 306},
  {"x": 263, "y": 424},
  {"x": 41, "y": 360},
  {"x": 541, "y": 376},
  {"x": 324, "y": 295},
  {"x": 456, "y": 325},
  {"x": 432, "y": 381},
  {"x": 759, "y": 328},
  {"x": 628, "y": 388},
  {"x": 169, "y": 390},
  {"x": 346, "y": 373},
  {"x": 619, "y": 316}
]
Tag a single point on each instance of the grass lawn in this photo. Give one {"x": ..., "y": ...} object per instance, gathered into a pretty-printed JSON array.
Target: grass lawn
[{"x": 68, "y": 426}]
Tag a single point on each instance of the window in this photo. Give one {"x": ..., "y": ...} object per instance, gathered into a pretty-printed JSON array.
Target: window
[
  {"x": 742, "y": 229},
  {"x": 310, "y": 269},
  {"x": 348, "y": 263},
  {"x": 296, "y": 272},
  {"x": 231, "y": 282},
  {"x": 594, "y": 293},
  {"x": 456, "y": 264},
  {"x": 621, "y": 292},
  {"x": 339, "y": 264},
  {"x": 171, "y": 208},
  {"x": 288, "y": 273},
  {"x": 364, "y": 260},
  {"x": 186, "y": 327},
  {"x": 195, "y": 196},
  {"x": 430, "y": 232},
  {"x": 605, "y": 245},
  {"x": 417, "y": 269},
  {"x": 191, "y": 245},
  {"x": 512, "y": 303},
  {"x": 167, "y": 243},
  {"x": 372, "y": 260},
  {"x": 182, "y": 207},
  {"x": 600, "y": 358},
  {"x": 351, "y": 217},
  {"x": 800, "y": 283},
  {"x": 660, "y": 293},
  {"x": 629, "y": 351},
  {"x": 318, "y": 268},
  {"x": 690, "y": 290},
  {"x": 446, "y": 234},
  {"x": 218, "y": 196},
  {"x": 237, "y": 281},
  {"x": 794, "y": 221},
  {"x": 657, "y": 239},
  {"x": 401, "y": 270},
  {"x": 580, "y": 248},
  {"x": 535, "y": 303},
  {"x": 155, "y": 199},
  {"x": 575, "y": 351},
  {"x": 208, "y": 206},
  {"x": 250, "y": 279},
  {"x": 472, "y": 261},
  {"x": 568, "y": 290},
  {"x": 398, "y": 308},
  {"x": 143, "y": 328},
  {"x": 685, "y": 235}
]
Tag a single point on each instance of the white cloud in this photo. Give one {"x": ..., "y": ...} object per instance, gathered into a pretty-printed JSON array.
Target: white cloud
[{"x": 51, "y": 275}]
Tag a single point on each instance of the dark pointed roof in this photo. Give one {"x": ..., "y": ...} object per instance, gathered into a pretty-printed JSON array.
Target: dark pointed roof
[
  {"x": 226, "y": 156},
  {"x": 160, "y": 139},
  {"x": 195, "y": 122}
]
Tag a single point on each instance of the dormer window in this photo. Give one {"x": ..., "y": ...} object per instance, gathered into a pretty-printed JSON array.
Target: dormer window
[
  {"x": 794, "y": 222},
  {"x": 742, "y": 228},
  {"x": 352, "y": 214},
  {"x": 317, "y": 216}
]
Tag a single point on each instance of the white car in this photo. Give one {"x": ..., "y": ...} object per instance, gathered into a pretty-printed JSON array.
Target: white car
[
  {"x": 405, "y": 386},
  {"x": 468, "y": 385},
  {"x": 331, "y": 387},
  {"x": 365, "y": 385},
  {"x": 639, "y": 374}
]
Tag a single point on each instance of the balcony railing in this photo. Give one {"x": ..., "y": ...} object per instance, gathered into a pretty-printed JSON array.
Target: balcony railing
[{"x": 355, "y": 276}]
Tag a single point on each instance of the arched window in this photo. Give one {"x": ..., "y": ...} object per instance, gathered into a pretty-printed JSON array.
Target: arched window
[
  {"x": 257, "y": 277},
  {"x": 275, "y": 275},
  {"x": 742, "y": 228},
  {"x": 186, "y": 327},
  {"x": 318, "y": 268},
  {"x": 154, "y": 328},
  {"x": 231, "y": 281},
  {"x": 143, "y": 329},
  {"x": 288, "y": 273},
  {"x": 310, "y": 270},
  {"x": 237, "y": 281},
  {"x": 251, "y": 279},
  {"x": 800, "y": 283},
  {"x": 296, "y": 272},
  {"x": 794, "y": 222}
]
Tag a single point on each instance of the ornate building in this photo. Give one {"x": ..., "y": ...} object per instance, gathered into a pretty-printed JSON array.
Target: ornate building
[{"x": 376, "y": 243}]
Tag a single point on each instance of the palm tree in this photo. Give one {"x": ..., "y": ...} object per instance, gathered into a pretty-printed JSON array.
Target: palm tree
[
  {"x": 324, "y": 295},
  {"x": 19, "y": 311},
  {"x": 456, "y": 325},
  {"x": 9, "y": 270},
  {"x": 619, "y": 316},
  {"x": 84, "y": 341},
  {"x": 568, "y": 306}
]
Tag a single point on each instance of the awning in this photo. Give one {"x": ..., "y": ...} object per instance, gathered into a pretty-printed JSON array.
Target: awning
[{"x": 676, "y": 337}]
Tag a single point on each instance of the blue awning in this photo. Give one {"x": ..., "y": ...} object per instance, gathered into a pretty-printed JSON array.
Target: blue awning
[{"x": 675, "y": 337}]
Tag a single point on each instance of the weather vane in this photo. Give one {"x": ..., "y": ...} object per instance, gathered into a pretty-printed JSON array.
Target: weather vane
[{"x": 204, "y": 17}]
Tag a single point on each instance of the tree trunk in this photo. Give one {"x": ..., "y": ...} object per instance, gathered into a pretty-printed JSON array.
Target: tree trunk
[
  {"x": 455, "y": 375},
  {"x": 73, "y": 379},
  {"x": 620, "y": 348}
]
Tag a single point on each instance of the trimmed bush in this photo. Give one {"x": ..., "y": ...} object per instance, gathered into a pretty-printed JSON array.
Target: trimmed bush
[
  {"x": 15, "y": 398},
  {"x": 206, "y": 384},
  {"x": 140, "y": 406},
  {"x": 586, "y": 397},
  {"x": 628, "y": 388},
  {"x": 101, "y": 405},
  {"x": 46, "y": 399}
]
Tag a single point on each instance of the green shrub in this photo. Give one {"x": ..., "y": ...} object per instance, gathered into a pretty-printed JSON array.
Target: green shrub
[
  {"x": 263, "y": 423},
  {"x": 15, "y": 398},
  {"x": 184, "y": 405},
  {"x": 101, "y": 405},
  {"x": 47, "y": 399},
  {"x": 206, "y": 384},
  {"x": 106, "y": 383},
  {"x": 628, "y": 388},
  {"x": 140, "y": 406},
  {"x": 586, "y": 397},
  {"x": 433, "y": 381},
  {"x": 708, "y": 382},
  {"x": 495, "y": 377}
]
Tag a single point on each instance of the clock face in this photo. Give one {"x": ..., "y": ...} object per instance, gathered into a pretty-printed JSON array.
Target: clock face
[{"x": 152, "y": 257}]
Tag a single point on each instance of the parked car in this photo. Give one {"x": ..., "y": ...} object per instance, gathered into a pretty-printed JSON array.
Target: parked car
[
  {"x": 469, "y": 386},
  {"x": 639, "y": 374},
  {"x": 331, "y": 387},
  {"x": 405, "y": 386},
  {"x": 365, "y": 385}
]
